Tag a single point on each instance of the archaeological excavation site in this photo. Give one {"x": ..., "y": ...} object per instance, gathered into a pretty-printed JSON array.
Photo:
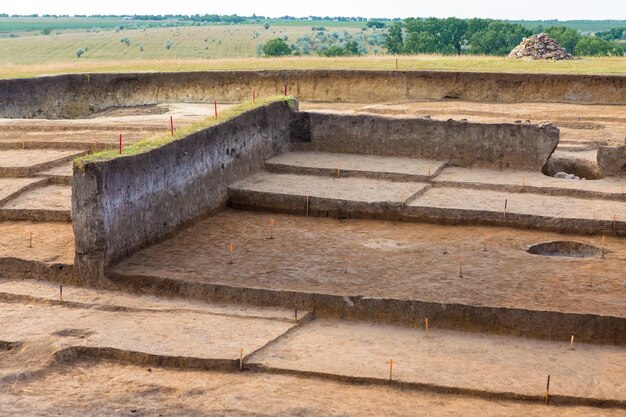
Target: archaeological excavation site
[{"x": 315, "y": 242}]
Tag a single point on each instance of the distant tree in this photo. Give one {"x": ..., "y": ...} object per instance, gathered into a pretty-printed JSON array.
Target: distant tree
[
  {"x": 80, "y": 52},
  {"x": 393, "y": 39},
  {"x": 168, "y": 44},
  {"x": 375, "y": 24},
  {"x": 276, "y": 47},
  {"x": 498, "y": 38},
  {"x": 334, "y": 50},
  {"x": 266, "y": 26},
  {"x": 593, "y": 46},
  {"x": 566, "y": 37}
]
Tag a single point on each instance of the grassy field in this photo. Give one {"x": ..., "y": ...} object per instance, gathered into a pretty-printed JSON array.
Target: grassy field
[
  {"x": 608, "y": 66},
  {"x": 232, "y": 41},
  {"x": 234, "y": 47}
]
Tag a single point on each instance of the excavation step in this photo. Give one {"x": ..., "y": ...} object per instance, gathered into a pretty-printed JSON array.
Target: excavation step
[
  {"x": 12, "y": 187},
  {"x": 344, "y": 165},
  {"x": 396, "y": 272},
  {"x": 51, "y": 203},
  {"x": 531, "y": 182},
  {"x": 382, "y": 199},
  {"x": 489, "y": 365},
  {"x": 204, "y": 338},
  {"x": 24, "y": 163},
  {"x": 363, "y": 190}
]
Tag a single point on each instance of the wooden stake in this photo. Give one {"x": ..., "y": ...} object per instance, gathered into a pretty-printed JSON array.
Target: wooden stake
[
  {"x": 402, "y": 198},
  {"x": 295, "y": 313},
  {"x": 307, "y": 206},
  {"x": 172, "y": 125},
  {"x": 240, "y": 359},
  {"x": 230, "y": 251},
  {"x": 286, "y": 88},
  {"x": 571, "y": 343},
  {"x": 429, "y": 171},
  {"x": 121, "y": 144},
  {"x": 396, "y": 64},
  {"x": 548, "y": 391},
  {"x": 390, "y": 368},
  {"x": 253, "y": 96},
  {"x": 215, "y": 107},
  {"x": 338, "y": 170},
  {"x": 426, "y": 326},
  {"x": 460, "y": 266},
  {"x": 61, "y": 293},
  {"x": 505, "y": 204},
  {"x": 30, "y": 239},
  {"x": 345, "y": 266},
  {"x": 523, "y": 180},
  {"x": 484, "y": 241},
  {"x": 590, "y": 267}
]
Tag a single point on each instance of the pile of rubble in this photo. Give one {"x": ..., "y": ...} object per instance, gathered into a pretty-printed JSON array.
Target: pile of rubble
[{"x": 539, "y": 47}]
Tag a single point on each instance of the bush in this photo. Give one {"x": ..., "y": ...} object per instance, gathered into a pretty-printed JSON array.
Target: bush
[
  {"x": 168, "y": 44},
  {"x": 80, "y": 52},
  {"x": 276, "y": 47},
  {"x": 125, "y": 40},
  {"x": 46, "y": 31},
  {"x": 593, "y": 46},
  {"x": 266, "y": 26}
]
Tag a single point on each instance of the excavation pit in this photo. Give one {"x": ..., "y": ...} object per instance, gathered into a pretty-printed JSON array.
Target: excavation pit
[{"x": 565, "y": 248}]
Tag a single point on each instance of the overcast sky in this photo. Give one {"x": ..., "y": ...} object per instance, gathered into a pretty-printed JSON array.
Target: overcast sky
[{"x": 499, "y": 9}]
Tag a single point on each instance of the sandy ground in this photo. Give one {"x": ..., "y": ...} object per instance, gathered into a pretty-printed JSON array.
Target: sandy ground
[
  {"x": 360, "y": 163},
  {"x": 9, "y": 186},
  {"x": 610, "y": 185},
  {"x": 50, "y": 197},
  {"x": 352, "y": 188},
  {"x": 578, "y": 123},
  {"x": 170, "y": 333},
  {"x": 32, "y": 157},
  {"x": 52, "y": 242},
  {"x": 95, "y": 389},
  {"x": 94, "y": 298},
  {"x": 450, "y": 358},
  {"x": 389, "y": 259},
  {"x": 521, "y": 203}
]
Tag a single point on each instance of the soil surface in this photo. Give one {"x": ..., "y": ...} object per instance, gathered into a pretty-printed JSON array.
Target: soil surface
[
  {"x": 52, "y": 242},
  {"x": 389, "y": 260},
  {"x": 450, "y": 358}
]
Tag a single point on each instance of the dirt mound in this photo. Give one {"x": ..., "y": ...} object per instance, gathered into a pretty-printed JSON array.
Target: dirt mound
[{"x": 540, "y": 47}]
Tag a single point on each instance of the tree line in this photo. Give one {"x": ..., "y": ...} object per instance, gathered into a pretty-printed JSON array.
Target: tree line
[{"x": 453, "y": 36}]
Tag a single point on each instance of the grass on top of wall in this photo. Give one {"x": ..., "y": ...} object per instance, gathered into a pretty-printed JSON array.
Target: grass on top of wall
[{"x": 156, "y": 141}]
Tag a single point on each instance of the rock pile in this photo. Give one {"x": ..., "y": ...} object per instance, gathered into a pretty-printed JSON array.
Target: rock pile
[{"x": 539, "y": 47}]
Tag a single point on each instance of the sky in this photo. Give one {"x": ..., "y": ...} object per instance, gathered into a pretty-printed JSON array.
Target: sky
[{"x": 497, "y": 9}]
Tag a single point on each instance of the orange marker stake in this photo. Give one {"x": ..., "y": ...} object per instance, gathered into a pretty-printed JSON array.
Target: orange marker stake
[
  {"x": 230, "y": 250},
  {"x": 426, "y": 326},
  {"x": 30, "y": 239},
  {"x": 272, "y": 223},
  {"x": 390, "y": 368},
  {"x": 240, "y": 359}
]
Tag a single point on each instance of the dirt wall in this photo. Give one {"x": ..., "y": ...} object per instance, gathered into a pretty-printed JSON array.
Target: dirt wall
[
  {"x": 462, "y": 143},
  {"x": 77, "y": 95},
  {"x": 612, "y": 160},
  {"x": 129, "y": 202}
]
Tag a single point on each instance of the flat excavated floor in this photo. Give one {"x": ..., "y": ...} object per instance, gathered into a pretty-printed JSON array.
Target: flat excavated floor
[
  {"x": 92, "y": 389},
  {"x": 348, "y": 164},
  {"x": 388, "y": 260},
  {"x": 51, "y": 197},
  {"x": 450, "y": 359},
  {"x": 51, "y": 242},
  {"x": 577, "y": 123}
]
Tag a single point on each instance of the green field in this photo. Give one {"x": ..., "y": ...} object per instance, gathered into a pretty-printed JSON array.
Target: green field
[{"x": 234, "y": 47}]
